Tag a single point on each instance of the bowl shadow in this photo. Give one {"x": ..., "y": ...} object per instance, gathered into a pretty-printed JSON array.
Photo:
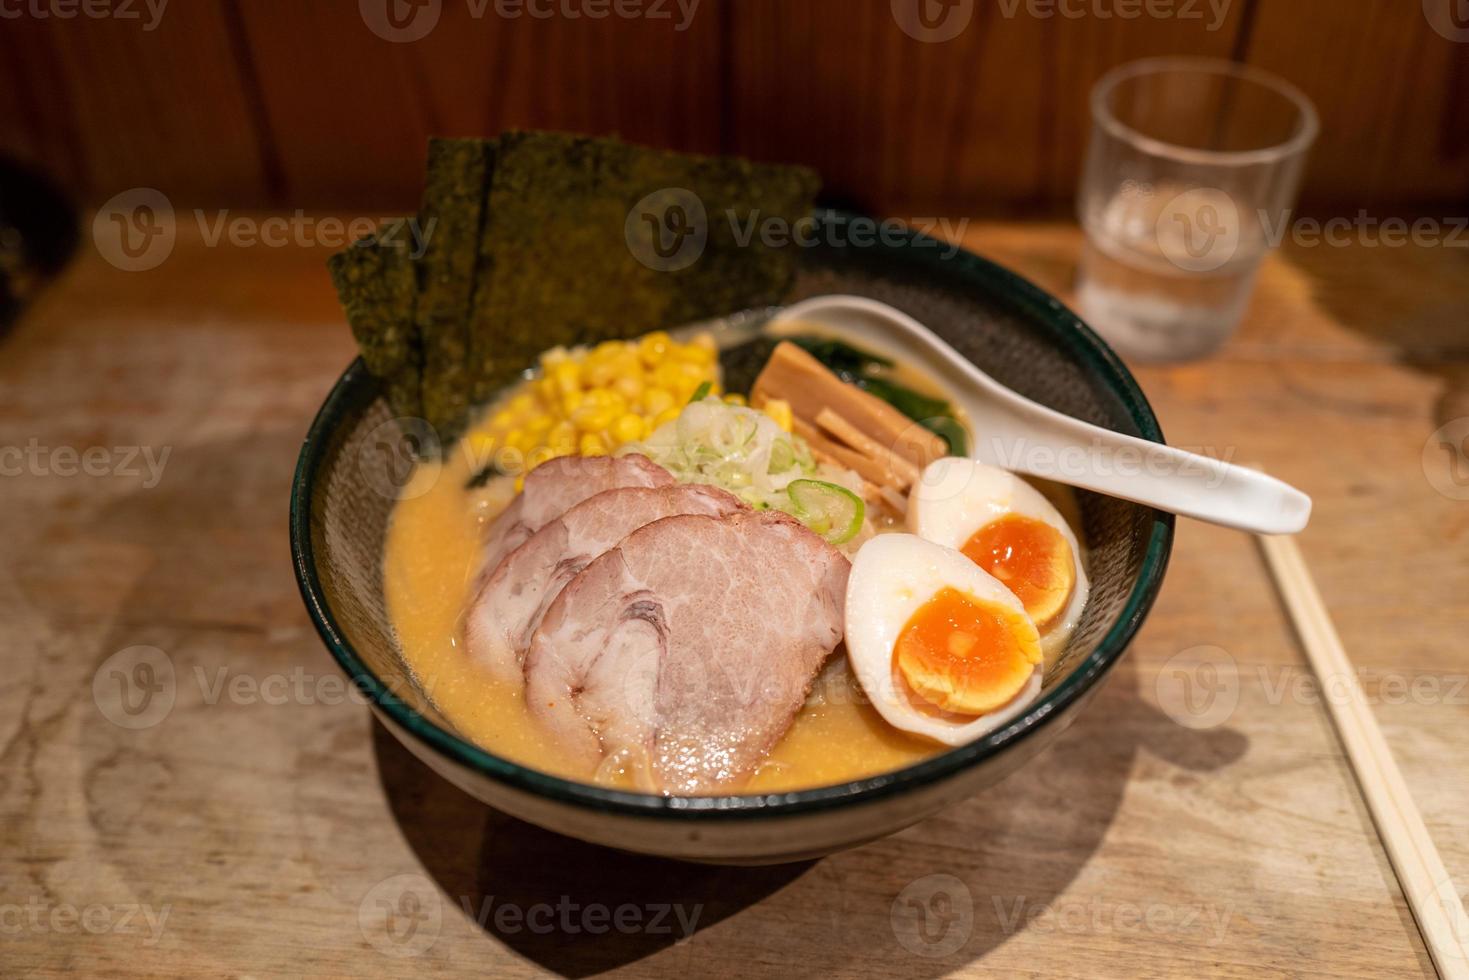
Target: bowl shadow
[{"x": 533, "y": 890}]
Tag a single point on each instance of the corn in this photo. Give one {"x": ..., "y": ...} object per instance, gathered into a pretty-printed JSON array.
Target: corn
[
  {"x": 689, "y": 354},
  {"x": 652, "y": 347},
  {"x": 562, "y": 437},
  {"x": 567, "y": 377},
  {"x": 779, "y": 410},
  {"x": 594, "y": 400},
  {"x": 668, "y": 376},
  {"x": 600, "y": 375},
  {"x": 595, "y": 420},
  {"x": 735, "y": 398},
  {"x": 628, "y": 428},
  {"x": 656, "y": 400},
  {"x": 629, "y": 386}
]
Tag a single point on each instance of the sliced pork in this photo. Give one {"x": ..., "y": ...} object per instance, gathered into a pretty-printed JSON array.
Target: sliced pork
[
  {"x": 555, "y": 487},
  {"x": 516, "y": 595},
  {"x": 685, "y": 652}
]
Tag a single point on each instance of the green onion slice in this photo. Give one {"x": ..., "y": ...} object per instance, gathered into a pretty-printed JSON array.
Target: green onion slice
[{"x": 832, "y": 511}]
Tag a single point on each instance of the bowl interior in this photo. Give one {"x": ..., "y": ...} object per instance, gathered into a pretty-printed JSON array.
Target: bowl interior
[{"x": 358, "y": 455}]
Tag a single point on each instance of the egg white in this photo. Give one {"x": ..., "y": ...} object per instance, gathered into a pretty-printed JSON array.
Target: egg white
[
  {"x": 955, "y": 497},
  {"x": 892, "y": 577}
]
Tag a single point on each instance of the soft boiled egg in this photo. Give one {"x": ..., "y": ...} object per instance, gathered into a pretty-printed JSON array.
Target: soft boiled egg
[
  {"x": 939, "y": 645},
  {"x": 1004, "y": 525}
]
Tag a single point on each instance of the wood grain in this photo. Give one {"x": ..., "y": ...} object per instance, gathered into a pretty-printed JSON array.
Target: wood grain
[
  {"x": 1393, "y": 98},
  {"x": 275, "y": 103},
  {"x": 108, "y": 104},
  {"x": 1160, "y": 837},
  {"x": 355, "y": 133}
]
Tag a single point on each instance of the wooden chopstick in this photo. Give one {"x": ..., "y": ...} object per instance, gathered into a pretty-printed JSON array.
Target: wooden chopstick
[{"x": 1426, "y": 884}]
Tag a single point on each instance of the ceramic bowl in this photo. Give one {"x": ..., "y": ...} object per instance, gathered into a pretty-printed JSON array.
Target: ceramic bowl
[{"x": 1011, "y": 329}]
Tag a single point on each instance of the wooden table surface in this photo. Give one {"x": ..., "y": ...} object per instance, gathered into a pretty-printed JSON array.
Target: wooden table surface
[{"x": 1198, "y": 819}]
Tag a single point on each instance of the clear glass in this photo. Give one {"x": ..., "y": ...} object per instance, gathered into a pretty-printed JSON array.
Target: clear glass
[{"x": 1192, "y": 169}]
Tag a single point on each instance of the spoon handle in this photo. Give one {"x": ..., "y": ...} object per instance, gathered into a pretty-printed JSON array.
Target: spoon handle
[
  {"x": 1018, "y": 434},
  {"x": 1044, "y": 443}
]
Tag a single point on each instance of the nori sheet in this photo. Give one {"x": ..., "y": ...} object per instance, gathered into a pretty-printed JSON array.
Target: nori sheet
[
  {"x": 377, "y": 287},
  {"x": 557, "y": 259},
  {"x": 449, "y": 218},
  {"x": 531, "y": 243}
]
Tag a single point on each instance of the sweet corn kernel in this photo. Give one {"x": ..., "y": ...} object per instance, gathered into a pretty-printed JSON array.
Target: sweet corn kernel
[
  {"x": 596, "y": 419},
  {"x": 779, "y": 410},
  {"x": 629, "y": 386},
  {"x": 652, "y": 347},
  {"x": 594, "y": 399},
  {"x": 627, "y": 362},
  {"x": 735, "y": 398},
  {"x": 571, "y": 401},
  {"x": 628, "y": 428},
  {"x": 657, "y": 400},
  {"x": 562, "y": 437},
  {"x": 689, "y": 354},
  {"x": 567, "y": 377},
  {"x": 667, "y": 375},
  {"x": 600, "y": 375}
]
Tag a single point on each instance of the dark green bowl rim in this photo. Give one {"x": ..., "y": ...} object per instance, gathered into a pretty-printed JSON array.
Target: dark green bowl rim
[{"x": 356, "y": 389}]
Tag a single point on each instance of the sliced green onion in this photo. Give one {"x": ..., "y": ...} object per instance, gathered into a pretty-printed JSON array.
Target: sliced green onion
[
  {"x": 831, "y": 511},
  {"x": 701, "y": 392}
]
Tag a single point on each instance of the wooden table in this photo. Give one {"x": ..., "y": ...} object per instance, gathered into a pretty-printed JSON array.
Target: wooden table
[{"x": 256, "y": 828}]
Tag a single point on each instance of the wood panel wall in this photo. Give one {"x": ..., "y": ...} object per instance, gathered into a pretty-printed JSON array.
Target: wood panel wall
[{"x": 297, "y": 103}]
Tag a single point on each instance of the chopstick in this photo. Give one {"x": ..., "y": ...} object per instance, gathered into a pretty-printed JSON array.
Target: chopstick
[{"x": 1426, "y": 884}]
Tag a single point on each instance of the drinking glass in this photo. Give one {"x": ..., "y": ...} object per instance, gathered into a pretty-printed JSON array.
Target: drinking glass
[{"x": 1190, "y": 176}]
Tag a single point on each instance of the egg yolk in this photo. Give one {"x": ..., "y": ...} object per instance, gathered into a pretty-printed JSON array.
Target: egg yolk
[
  {"x": 1031, "y": 558},
  {"x": 965, "y": 655}
]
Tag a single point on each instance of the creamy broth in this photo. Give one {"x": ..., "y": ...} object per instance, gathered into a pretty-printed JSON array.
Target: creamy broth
[{"x": 430, "y": 559}]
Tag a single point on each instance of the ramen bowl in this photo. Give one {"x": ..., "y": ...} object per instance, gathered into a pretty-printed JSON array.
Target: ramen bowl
[{"x": 356, "y": 454}]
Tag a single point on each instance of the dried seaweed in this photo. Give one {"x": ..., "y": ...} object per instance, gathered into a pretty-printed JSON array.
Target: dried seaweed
[
  {"x": 377, "y": 287},
  {"x": 539, "y": 239},
  {"x": 449, "y": 219},
  {"x": 569, "y": 251}
]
